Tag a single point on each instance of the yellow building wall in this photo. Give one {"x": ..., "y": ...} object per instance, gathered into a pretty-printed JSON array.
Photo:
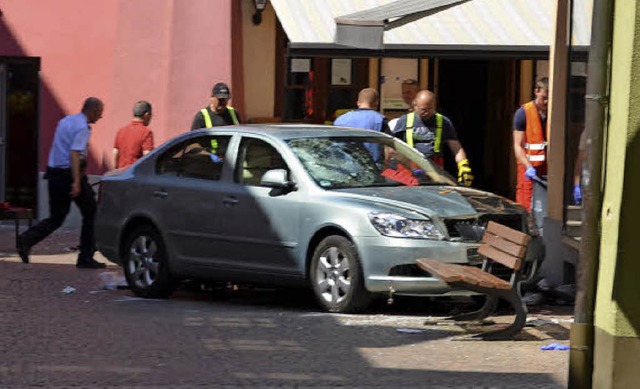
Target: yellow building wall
[
  {"x": 617, "y": 316},
  {"x": 259, "y": 62}
]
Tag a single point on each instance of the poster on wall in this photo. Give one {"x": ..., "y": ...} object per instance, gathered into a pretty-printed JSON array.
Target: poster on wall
[
  {"x": 341, "y": 71},
  {"x": 300, "y": 65}
]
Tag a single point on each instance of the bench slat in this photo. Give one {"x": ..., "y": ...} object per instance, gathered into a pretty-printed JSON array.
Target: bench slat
[
  {"x": 507, "y": 233},
  {"x": 504, "y": 245},
  {"x": 456, "y": 274},
  {"x": 488, "y": 278},
  {"x": 501, "y": 257},
  {"x": 438, "y": 268}
]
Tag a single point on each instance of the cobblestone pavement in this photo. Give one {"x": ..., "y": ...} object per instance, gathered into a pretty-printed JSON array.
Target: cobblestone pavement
[{"x": 249, "y": 337}]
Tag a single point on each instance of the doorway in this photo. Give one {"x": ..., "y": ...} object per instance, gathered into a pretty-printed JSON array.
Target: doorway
[
  {"x": 19, "y": 129},
  {"x": 479, "y": 98}
]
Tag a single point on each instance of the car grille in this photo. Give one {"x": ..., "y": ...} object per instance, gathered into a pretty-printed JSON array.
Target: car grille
[
  {"x": 471, "y": 229},
  {"x": 409, "y": 270}
]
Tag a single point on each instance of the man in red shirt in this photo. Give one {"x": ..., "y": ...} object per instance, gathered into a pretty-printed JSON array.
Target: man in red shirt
[{"x": 134, "y": 140}]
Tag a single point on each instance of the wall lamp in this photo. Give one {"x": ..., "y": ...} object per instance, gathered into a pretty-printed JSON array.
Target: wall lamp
[{"x": 260, "y": 6}]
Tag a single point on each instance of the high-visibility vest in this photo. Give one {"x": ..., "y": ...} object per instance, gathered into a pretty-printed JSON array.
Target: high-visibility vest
[
  {"x": 409, "y": 131},
  {"x": 535, "y": 145},
  {"x": 207, "y": 117},
  {"x": 436, "y": 157}
]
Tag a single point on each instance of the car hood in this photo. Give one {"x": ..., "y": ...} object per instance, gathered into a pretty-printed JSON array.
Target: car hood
[{"x": 443, "y": 201}]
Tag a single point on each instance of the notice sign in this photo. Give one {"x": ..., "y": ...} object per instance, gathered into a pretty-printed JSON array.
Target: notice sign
[
  {"x": 300, "y": 65},
  {"x": 341, "y": 71}
]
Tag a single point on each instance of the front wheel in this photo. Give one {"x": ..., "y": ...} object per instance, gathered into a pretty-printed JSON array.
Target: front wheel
[
  {"x": 145, "y": 263},
  {"x": 336, "y": 276}
]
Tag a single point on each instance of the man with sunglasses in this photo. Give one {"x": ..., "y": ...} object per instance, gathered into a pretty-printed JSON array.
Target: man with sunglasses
[{"x": 218, "y": 113}]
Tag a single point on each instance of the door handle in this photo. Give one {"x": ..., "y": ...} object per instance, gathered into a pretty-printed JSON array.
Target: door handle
[
  {"x": 230, "y": 201},
  {"x": 160, "y": 194}
]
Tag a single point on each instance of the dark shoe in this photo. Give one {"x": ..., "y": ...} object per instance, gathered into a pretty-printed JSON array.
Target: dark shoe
[
  {"x": 23, "y": 250},
  {"x": 90, "y": 264}
]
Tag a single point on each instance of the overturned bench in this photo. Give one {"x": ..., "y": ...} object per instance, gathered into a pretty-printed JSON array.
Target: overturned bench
[{"x": 500, "y": 245}]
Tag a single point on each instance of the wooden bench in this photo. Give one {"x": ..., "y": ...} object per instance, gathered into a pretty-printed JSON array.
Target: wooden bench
[
  {"x": 16, "y": 214},
  {"x": 501, "y": 245}
]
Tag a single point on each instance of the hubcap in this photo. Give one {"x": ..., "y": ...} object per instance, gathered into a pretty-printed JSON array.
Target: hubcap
[
  {"x": 143, "y": 262},
  {"x": 332, "y": 275}
]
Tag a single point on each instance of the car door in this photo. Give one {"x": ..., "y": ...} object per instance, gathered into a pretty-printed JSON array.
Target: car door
[
  {"x": 187, "y": 196},
  {"x": 261, "y": 224}
]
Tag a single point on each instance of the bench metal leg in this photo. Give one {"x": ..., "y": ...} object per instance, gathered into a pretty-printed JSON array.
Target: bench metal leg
[
  {"x": 489, "y": 306},
  {"x": 515, "y": 299}
]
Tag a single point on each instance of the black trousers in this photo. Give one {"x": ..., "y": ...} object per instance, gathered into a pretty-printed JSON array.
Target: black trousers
[{"x": 60, "y": 182}]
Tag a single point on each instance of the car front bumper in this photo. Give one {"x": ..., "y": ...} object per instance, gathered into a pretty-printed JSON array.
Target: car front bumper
[{"x": 379, "y": 255}]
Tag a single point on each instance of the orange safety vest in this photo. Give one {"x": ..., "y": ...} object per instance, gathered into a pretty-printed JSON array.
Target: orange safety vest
[{"x": 535, "y": 144}]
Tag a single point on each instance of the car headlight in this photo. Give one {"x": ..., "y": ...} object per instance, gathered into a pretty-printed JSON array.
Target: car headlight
[{"x": 397, "y": 226}]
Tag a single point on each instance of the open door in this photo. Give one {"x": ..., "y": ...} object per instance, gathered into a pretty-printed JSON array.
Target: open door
[{"x": 19, "y": 129}]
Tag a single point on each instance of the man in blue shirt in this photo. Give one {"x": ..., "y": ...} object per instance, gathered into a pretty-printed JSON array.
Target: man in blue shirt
[
  {"x": 67, "y": 182},
  {"x": 366, "y": 117}
]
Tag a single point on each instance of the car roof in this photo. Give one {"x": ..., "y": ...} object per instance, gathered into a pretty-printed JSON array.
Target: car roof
[{"x": 291, "y": 131}]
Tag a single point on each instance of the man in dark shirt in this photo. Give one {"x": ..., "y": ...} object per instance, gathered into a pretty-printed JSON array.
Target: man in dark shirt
[
  {"x": 426, "y": 130},
  {"x": 530, "y": 142},
  {"x": 218, "y": 113}
]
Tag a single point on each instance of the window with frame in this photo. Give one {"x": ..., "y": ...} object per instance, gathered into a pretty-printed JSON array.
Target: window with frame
[
  {"x": 255, "y": 158},
  {"x": 201, "y": 157}
]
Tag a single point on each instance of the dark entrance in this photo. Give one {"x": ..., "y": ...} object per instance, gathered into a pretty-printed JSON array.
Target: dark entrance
[
  {"x": 478, "y": 96},
  {"x": 19, "y": 119}
]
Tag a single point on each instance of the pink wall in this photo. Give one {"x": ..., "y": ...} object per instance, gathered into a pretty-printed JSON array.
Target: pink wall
[{"x": 169, "y": 52}]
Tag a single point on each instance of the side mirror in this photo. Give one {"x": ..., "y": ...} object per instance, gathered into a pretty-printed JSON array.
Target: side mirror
[{"x": 277, "y": 178}]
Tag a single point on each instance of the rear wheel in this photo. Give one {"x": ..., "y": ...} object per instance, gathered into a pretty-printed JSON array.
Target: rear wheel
[
  {"x": 145, "y": 263},
  {"x": 336, "y": 276}
]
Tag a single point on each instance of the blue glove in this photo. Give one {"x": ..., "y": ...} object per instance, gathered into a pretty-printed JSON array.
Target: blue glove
[
  {"x": 418, "y": 172},
  {"x": 530, "y": 173},
  {"x": 215, "y": 158},
  {"x": 577, "y": 194},
  {"x": 555, "y": 346}
]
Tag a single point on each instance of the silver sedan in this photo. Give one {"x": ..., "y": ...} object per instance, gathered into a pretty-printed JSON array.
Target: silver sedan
[{"x": 345, "y": 211}]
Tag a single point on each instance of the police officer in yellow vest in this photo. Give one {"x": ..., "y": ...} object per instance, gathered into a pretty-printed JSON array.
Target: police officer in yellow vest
[
  {"x": 426, "y": 131},
  {"x": 218, "y": 113}
]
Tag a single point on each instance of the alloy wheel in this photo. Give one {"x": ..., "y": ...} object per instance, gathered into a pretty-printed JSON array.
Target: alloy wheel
[
  {"x": 333, "y": 275},
  {"x": 143, "y": 264}
]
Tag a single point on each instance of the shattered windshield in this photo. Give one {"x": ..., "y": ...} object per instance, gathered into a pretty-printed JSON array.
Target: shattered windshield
[{"x": 356, "y": 162}]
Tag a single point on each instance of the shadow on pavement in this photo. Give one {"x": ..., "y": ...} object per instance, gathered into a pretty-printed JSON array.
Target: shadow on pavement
[
  {"x": 62, "y": 241},
  {"x": 237, "y": 338}
]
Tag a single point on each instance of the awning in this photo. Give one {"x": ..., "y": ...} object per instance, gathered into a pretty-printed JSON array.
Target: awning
[
  {"x": 365, "y": 29},
  {"x": 518, "y": 28}
]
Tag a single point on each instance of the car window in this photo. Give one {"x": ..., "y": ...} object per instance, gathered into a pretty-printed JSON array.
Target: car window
[
  {"x": 356, "y": 162},
  {"x": 201, "y": 157},
  {"x": 256, "y": 157}
]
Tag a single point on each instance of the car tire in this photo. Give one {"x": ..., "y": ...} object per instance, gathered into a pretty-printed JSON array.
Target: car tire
[
  {"x": 145, "y": 263},
  {"x": 336, "y": 276}
]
